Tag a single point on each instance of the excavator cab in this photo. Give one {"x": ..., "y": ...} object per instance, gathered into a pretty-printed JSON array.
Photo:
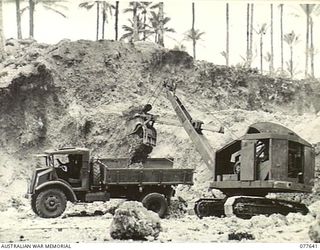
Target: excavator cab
[{"x": 268, "y": 158}]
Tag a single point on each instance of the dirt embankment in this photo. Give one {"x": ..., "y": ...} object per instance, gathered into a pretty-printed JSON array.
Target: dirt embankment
[{"x": 74, "y": 93}]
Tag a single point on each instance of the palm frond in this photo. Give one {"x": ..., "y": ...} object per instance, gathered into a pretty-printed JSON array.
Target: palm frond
[
  {"x": 54, "y": 10},
  {"x": 87, "y": 5}
]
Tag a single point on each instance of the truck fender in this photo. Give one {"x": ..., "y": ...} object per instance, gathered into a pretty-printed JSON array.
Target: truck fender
[{"x": 60, "y": 184}]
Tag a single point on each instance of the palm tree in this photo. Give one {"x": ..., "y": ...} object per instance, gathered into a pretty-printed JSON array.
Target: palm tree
[
  {"x": 227, "y": 35},
  {"x": 18, "y": 17},
  {"x": 315, "y": 12},
  {"x": 310, "y": 11},
  {"x": 248, "y": 34},
  {"x": 307, "y": 9},
  {"x": 135, "y": 18},
  {"x": 116, "y": 20},
  {"x": 194, "y": 36},
  {"x": 31, "y": 18},
  {"x": 88, "y": 6},
  {"x": 106, "y": 8},
  {"x": 154, "y": 27},
  {"x": 161, "y": 25},
  {"x": 271, "y": 39},
  {"x": 251, "y": 34},
  {"x": 130, "y": 30},
  {"x": 145, "y": 8},
  {"x": 281, "y": 35},
  {"x": 2, "y": 52},
  {"x": 52, "y": 5},
  {"x": 261, "y": 31},
  {"x": 291, "y": 39}
]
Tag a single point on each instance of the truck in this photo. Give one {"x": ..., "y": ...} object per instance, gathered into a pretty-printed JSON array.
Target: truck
[
  {"x": 269, "y": 158},
  {"x": 86, "y": 179}
]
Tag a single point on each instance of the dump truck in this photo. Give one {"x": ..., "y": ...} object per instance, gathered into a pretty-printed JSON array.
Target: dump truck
[
  {"x": 269, "y": 158},
  {"x": 85, "y": 179}
]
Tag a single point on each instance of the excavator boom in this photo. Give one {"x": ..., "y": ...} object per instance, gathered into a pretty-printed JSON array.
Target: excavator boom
[{"x": 193, "y": 129}]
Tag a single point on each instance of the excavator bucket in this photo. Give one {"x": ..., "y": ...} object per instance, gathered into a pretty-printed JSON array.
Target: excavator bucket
[{"x": 146, "y": 132}]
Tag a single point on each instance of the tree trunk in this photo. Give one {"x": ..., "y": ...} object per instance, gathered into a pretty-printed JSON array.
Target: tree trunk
[
  {"x": 307, "y": 42},
  {"x": 251, "y": 34},
  {"x": 227, "y": 35},
  {"x": 18, "y": 16},
  {"x": 193, "y": 32},
  {"x": 116, "y": 21},
  {"x": 98, "y": 13},
  {"x": 31, "y": 20},
  {"x": 271, "y": 39},
  {"x": 103, "y": 24},
  {"x": 2, "y": 52},
  {"x": 281, "y": 35},
  {"x": 161, "y": 32},
  {"x": 261, "y": 53},
  {"x": 311, "y": 48},
  {"x": 248, "y": 34},
  {"x": 135, "y": 22},
  {"x": 144, "y": 25},
  {"x": 291, "y": 61}
]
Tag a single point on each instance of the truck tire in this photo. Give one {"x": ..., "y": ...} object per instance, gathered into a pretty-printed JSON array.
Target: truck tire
[
  {"x": 50, "y": 203},
  {"x": 155, "y": 202},
  {"x": 33, "y": 205},
  {"x": 96, "y": 175}
]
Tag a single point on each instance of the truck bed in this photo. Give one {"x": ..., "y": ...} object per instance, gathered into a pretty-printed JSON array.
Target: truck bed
[{"x": 147, "y": 176}]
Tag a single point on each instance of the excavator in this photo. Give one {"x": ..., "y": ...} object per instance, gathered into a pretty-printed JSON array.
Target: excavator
[{"x": 268, "y": 158}]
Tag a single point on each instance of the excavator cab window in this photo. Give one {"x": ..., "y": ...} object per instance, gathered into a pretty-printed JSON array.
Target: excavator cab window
[
  {"x": 262, "y": 151},
  {"x": 262, "y": 157},
  {"x": 295, "y": 161}
]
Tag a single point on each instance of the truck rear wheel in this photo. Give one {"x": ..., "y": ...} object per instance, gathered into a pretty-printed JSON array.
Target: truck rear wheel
[
  {"x": 33, "y": 205},
  {"x": 50, "y": 203},
  {"x": 156, "y": 203}
]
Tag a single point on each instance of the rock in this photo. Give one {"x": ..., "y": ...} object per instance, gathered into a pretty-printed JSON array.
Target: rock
[
  {"x": 314, "y": 208},
  {"x": 240, "y": 236},
  {"x": 133, "y": 221},
  {"x": 314, "y": 231}
]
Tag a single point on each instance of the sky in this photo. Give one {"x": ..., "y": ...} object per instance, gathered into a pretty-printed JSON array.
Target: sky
[{"x": 209, "y": 18}]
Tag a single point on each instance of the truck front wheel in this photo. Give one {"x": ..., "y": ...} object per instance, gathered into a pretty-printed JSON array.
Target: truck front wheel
[
  {"x": 156, "y": 203},
  {"x": 50, "y": 203}
]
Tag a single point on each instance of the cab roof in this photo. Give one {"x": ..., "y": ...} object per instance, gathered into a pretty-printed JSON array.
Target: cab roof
[{"x": 68, "y": 151}]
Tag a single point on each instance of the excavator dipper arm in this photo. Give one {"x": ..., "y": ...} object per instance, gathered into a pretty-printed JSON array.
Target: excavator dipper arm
[{"x": 193, "y": 128}]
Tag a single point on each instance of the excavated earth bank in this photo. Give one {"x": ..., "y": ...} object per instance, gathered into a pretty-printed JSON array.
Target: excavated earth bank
[{"x": 77, "y": 93}]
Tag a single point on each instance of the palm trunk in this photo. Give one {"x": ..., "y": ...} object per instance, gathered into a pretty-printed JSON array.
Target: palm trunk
[
  {"x": 161, "y": 32},
  {"x": 2, "y": 52},
  {"x": 307, "y": 43},
  {"x": 116, "y": 21},
  {"x": 18, "y": 16},
  {"x": 281, "y": 35},
  {"x": 248, "y": 34},
  {"x": 227, "y": 36},
  {"x": 103, "y": 23},
  {"x": 251, "y": 34},
  {"x": 135, "y": 23},
  {"x": 261, "y": 53},
  {"x": 271, "y": 39},
  {"x": 98, "y": 12},
  {"x": 144, "y": 26},
  {"x": 31, "y": 20},
  {"x": 311, "y": 48},
  {"x": 291, "y": 61},
  {"x": 193, "y": 32}
]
